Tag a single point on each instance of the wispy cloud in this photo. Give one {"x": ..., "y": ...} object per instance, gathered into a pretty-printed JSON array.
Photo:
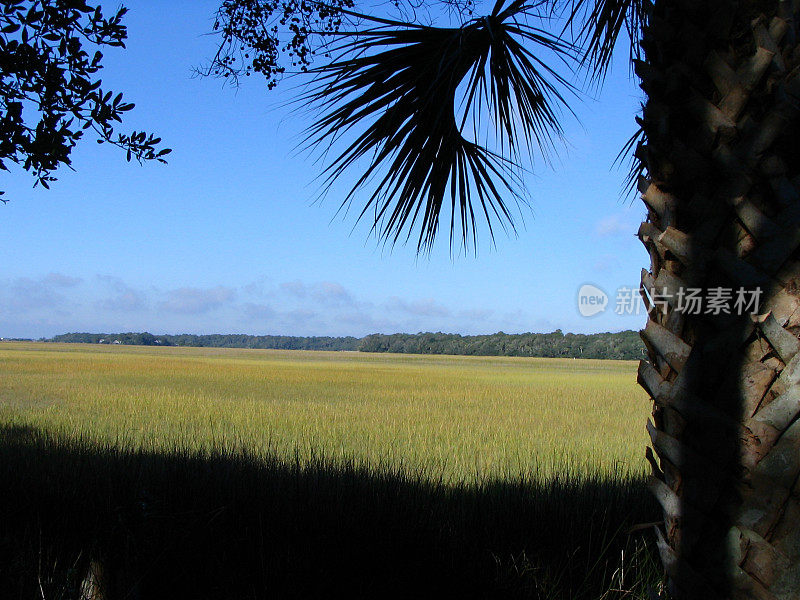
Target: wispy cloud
[
  {"x": 331, "y": 294},
  {"x": 613, "y": 225},
  {"x": 258, "y": 288},
  {"x": 60, "y": 280},
  {"x": 301, "y": 316},
  {"x": 294, "y": 288},
  {"x": 195, "y": 301},
  {"x": 418, "y": 308},
  {"x": 258, "y": 312},
  {"x": 55, "y": 303},
  {"x": 124, "y": 298},
  {"x": 25, "y": 294},
  {"x": 475, "y": 314}
]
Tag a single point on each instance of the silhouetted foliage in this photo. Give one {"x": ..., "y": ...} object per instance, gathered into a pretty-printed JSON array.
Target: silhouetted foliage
[
  {"x": 226, "y": 524},
  {"x": 266, "y": 37},
  {"x": 49, "y": 93},
  {"x": 255, "y": 35}
]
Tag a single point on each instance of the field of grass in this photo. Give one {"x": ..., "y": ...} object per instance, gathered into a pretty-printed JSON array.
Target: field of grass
[
  {"x": 252, "y": 473},
  {"x": 457, "y": 418}
]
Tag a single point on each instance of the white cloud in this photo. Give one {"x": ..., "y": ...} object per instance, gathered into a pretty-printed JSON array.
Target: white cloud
[
  {"x": 124, "y": 298},
  {"x": 475, "y": 314},
  {"x": 418, "y": 308},
  {"x": 331, "y": 293},
  {"x": 61, "y": 280},
  {"x": 258, "y": 312},
  {"x": 294, "y": 288},
  {"x": 25, "y": 294},
  {"x": 613, "y": 225},
  {"x": 46, "y": 305},
  {"x": 194, "y": 301},
  {"x": 258, "y": 288},
  {"x": 301, "y": 316}
]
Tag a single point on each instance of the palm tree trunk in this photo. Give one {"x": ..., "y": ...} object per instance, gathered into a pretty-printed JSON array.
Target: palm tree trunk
[{"x": 721, "y": 154}]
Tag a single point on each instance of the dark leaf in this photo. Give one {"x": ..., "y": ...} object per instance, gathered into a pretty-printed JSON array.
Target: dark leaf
[
  {"x": 392, "y": 92},
  {"x": 597, "y": 25}
]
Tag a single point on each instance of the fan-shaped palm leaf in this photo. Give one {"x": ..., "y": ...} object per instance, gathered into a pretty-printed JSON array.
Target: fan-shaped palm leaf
[
  {"x": 396, "y": 85},
  {"x": 599, "y": 24}
]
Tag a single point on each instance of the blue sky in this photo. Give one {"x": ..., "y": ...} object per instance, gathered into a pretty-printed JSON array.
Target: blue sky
[{"x": 228, "y": 237}]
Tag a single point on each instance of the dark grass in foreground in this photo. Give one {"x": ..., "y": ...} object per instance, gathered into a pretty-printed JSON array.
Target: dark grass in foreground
[{"x": 225, "y": 525}]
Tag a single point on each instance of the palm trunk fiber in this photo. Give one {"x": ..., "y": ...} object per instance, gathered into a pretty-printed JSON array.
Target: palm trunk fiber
[{"x": 720, "y": 159}]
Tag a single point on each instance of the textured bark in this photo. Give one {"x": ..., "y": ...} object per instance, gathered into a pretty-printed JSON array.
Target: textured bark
[
  {"x": 93, "y": 586},
  {"x": 721, "y": 158}
]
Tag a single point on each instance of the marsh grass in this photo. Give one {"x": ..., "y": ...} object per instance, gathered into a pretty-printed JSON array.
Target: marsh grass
[
  {"x": 183, "y": 524},
  {"x": 256, "y": 474},
  {"x": 451, "y": 418}
]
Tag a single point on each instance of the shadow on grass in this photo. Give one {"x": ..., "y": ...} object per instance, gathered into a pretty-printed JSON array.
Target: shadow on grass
[{"x": 222, "y": 525}]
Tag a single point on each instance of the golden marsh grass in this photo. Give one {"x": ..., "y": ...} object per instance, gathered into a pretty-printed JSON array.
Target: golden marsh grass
[{"x": 459, "y": 419}]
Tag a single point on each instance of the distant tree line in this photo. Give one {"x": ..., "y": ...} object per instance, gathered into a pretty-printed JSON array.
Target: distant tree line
[
  {"x": 626, "y": 345},
  {"x": 273, "y": 342}
]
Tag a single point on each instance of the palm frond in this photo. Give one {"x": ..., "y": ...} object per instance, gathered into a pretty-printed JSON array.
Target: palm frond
[
  {"x": 632, "y": 152},
  {"x": 598, "y": 25},
  {"x": 391, "y": 92}
]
